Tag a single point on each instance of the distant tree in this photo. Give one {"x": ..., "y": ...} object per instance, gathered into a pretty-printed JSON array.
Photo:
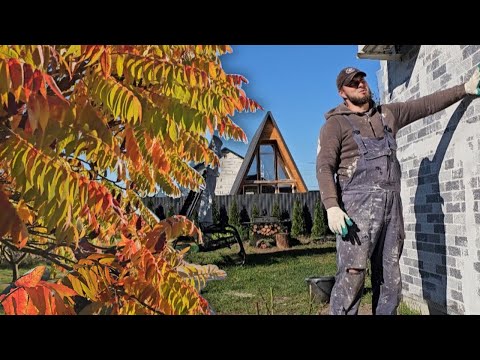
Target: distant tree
[
  {"x": 298, "y": 222},
  {"x": 150, "y": 204},
  {"x": 233, "y": 214},
  {"x": 255, "y": 212},
  {"x": 223, "y": 215},
  {"x": 215, "y": 212},
  {"x": 171, "y": 211},
  {"x": 244, "y": 218},
  {"x": 243, "y": 229},
  {"x": 276, "y": 210},
  {"x": 307, "y": 216},
  {"x": 319, "y": 228},
  {"x": 160, "y": 212},
  {"x": 285, "y": 215}
]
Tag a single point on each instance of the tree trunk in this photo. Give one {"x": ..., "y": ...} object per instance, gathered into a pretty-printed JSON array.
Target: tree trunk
[{"x": 282, "y": 240}]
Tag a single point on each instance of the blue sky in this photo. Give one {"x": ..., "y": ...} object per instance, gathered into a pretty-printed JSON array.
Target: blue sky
[{"x": 297, "y": 84}]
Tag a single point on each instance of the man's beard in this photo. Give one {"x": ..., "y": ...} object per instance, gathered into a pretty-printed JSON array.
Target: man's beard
[{"x": 361, "y": 100}]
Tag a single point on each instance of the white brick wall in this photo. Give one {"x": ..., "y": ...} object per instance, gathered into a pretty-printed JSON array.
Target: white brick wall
[
  {"x": 440, "y": 181},
  {"x": 229, "y": 167}
]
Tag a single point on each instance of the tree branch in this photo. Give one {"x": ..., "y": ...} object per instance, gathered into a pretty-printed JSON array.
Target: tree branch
[
  {"x": 41, "y": 253},
  {"x": 143, "y": 304}
]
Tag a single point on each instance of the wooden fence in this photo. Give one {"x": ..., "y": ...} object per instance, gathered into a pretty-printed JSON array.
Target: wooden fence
[{"x": 264, "y": 202}]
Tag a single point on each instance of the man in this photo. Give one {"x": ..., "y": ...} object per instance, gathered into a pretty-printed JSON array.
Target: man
[{"x": 359, "y": 178}]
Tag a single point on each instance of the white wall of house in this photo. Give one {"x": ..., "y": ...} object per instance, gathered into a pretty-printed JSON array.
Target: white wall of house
[
  {"x": 440, "y": 180},
  {"x": 229, "y": 166}
]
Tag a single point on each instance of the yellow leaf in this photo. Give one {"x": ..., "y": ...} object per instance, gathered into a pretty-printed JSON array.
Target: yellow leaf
[
  {"x": 24, "y": 212},
  {"x": 75, "y": 50},
  {"x": 119, "y": 64},
  {"x": 211, "y": 70},
  {"x": 4, "y": 82},
  {"x": 172, "y": 131}
]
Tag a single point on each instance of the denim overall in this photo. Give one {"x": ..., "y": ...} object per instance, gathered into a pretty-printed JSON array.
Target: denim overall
[{"x": 371, "y": 198}]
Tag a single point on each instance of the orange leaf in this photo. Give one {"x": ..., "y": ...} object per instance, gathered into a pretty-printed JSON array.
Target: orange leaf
[
  {"x": 39, "y": 298},
  {"x": 62, "y": 290},
  {"x": 31, "y": 278},
  {"x": 11, "y": 223},
  {"x": 210, "y": 125},
  {"x": 42, "y": 299},
  {"x": 53, "y": 85},
  {"x": 24, "y": 212},
  {"x": 15, "y": 303},
  {"x": 211, "y": 70},
  {"x": 87, "y": 50},
  {"x": 38, "y": 111},
  {"x": 133, "y": 151},
  {"x": 106, "y": 62}
]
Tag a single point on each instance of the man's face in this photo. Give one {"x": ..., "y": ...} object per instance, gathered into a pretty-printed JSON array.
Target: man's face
[{"x": 357, "y": 91}]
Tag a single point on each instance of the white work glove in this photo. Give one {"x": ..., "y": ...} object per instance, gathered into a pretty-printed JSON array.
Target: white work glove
[
  {"x": 471, "y": 86},
  {"x": 336, "y": 221}
]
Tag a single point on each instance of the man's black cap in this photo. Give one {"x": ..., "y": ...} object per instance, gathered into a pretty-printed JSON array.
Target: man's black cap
[{"x": 346, "y": 75}]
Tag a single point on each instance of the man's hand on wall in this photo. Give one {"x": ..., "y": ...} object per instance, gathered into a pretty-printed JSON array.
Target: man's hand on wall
[
  {"x": 471, "y": 86},
  {"x": 336, "y": 220}
]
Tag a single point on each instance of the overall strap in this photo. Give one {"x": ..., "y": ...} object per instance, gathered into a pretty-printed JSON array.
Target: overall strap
[
  {"x": 355, "y": 128},
  {"x": 385, "y": 126},
  {"x": 357, "y": 137}
]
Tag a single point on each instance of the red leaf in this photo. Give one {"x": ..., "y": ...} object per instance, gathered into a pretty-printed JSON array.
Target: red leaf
[
  {"x": 31, "y": 278},
  {"x": 16, "y": 75},
  {"x": 106, "y": 62},
  {"x": 19, "y": 232},
  {"x": 39, "y": 83},
  {"x": 54, "y": 87},
  {"x": 28, "y": 80}
]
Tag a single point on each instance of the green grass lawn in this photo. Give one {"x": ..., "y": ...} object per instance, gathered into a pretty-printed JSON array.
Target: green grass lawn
[
  {"x": 248, "y": 289},
  {"x": 272, "y": 281}
]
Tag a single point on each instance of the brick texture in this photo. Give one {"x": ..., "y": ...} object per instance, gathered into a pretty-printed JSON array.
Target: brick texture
[{"x": 440, "y": 159}]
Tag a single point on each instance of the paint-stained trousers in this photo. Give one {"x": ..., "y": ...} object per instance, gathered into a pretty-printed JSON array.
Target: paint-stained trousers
[{"x": 378, "y": 235}]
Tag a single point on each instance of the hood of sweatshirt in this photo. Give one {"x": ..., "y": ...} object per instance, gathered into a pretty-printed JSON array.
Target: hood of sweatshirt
[{"x": 342, "y": 109}]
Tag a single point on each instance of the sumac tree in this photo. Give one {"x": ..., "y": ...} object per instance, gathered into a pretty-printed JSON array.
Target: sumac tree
[{"x": 85, "y": 133}]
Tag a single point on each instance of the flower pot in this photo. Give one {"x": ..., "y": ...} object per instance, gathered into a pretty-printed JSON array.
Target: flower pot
[{"x": 320, "y": 288}]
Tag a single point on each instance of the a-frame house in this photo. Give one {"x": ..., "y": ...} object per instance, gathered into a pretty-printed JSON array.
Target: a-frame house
[{"x": 268, "y": 166}]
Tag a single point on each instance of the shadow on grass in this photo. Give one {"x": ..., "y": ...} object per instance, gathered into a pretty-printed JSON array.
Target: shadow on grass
[{"x": 269, "y": 258}]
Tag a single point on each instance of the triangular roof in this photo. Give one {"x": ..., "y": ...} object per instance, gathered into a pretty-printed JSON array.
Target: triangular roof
[{"x": 266, "y": 132}]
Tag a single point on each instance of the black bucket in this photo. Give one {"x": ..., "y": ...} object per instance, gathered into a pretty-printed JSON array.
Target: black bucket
[{"x": 320, "y": 288}]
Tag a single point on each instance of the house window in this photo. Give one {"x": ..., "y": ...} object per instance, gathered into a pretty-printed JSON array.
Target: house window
[
  {"x": 268, "y": 189},
  {"x": 252, "y": 171},
  {"x": 267, "y": 172},
  {"x": 284, "y": 188},
  {"x": 282, "y": 172},
  {"x": 250, "y": 189},
  {"x": 267, "y": 162}
]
